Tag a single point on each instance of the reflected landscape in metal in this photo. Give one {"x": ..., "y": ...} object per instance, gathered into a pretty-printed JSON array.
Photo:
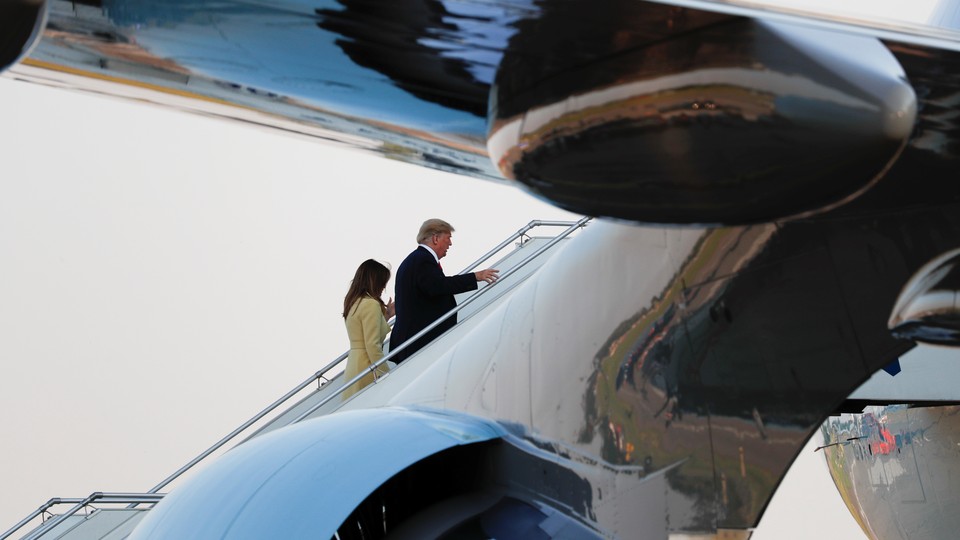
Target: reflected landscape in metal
[
  {"x": 704, "y": 371},
  {"x": 666, "y": 115},
  {"x": 896, "y": 468},
  {"x": 928, "y": 309},
  {"x": 234, "y": 59}
]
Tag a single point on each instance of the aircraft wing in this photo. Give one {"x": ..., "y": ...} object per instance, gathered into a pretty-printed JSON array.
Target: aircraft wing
[{"x": 563, "y": 99}]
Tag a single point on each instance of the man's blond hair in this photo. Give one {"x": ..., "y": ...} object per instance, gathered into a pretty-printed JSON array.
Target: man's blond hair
[{"x": 431, "y": 227}]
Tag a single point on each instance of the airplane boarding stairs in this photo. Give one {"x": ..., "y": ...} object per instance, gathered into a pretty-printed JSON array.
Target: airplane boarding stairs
[{"x": 103, "y": 516}]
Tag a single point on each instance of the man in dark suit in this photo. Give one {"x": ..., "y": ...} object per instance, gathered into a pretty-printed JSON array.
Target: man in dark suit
[{"x": 424, "y": 293}]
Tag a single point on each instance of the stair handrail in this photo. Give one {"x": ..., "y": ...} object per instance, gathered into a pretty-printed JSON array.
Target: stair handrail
[
  {"x": 572, "y": 225},
  {"x": 78, "y": 504},
  {"x": 372, "y": 368},
  {"x": 43, "y": 508}
]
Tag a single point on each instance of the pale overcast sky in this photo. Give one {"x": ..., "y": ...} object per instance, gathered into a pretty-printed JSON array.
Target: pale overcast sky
[{"x": 166, "y": 276}]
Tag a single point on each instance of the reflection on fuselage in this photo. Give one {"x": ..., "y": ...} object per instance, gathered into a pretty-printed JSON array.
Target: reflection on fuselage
[
  {"x": 899, "y": 474},
  {"x": 690, "y": 362}
]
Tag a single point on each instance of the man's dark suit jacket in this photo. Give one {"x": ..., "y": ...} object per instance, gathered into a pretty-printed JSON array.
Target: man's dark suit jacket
[{"x": 423, "y": 295}]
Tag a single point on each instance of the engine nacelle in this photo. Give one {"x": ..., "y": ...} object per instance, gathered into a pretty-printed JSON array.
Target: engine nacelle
[
  {"x": 368, "y": 474},
  {"x": 687, "y": 117}
]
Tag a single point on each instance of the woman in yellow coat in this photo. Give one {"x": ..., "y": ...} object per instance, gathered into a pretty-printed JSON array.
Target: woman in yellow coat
[{"x": 366, "y": 316}]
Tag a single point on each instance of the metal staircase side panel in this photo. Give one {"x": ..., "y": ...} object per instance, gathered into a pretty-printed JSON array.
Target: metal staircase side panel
[
  {"x": 56, "y": 532},
  {"x": 125, "y": 528},
  {"x": 102, "y": 524}
]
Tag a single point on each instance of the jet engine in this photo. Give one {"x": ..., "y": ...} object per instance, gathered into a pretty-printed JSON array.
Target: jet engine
[
  {"x": 659, "y": 114},
  {"x": 369, "y": 474}
]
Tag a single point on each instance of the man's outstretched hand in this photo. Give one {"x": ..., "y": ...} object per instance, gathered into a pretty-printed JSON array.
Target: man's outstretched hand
[{"x": 489, "y": 275}]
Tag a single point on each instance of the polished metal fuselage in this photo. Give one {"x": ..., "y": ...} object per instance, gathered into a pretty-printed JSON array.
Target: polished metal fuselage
[{"x": 896, "y": 468}]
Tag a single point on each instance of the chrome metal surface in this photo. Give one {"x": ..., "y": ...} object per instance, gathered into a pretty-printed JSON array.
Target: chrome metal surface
[
  {"x": 682, "y": 369},
  {"x": 898, "y": 471},
  {"x": 410, "y": 79},
  {"x": 697, "y": 118},
  {"x": 688, "y": 366},
  {"x": 281, "y": 64},
  {"x": 304, "y": 480},
  {"x": 928, "y": 308}
]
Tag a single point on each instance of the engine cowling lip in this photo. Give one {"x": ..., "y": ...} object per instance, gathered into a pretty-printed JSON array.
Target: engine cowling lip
[{"x": 304, "y": 480}]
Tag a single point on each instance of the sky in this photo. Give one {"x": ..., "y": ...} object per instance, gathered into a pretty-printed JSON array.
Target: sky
[{"x": 165, "y": 276}]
